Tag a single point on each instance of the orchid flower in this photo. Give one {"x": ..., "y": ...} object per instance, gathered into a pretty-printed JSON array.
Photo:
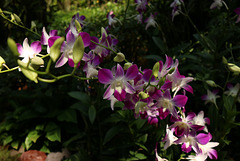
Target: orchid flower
[
  {"x": 150, "y": 21},
  {"x": 210, "y": 96},
  {"x": 28, "y": 52},
  {"x": 168, "y": 104},
  {"x": 176, "y": 5},
  {"x": 112, "y": 20},
  {"x": 45, "y": 38},
  {"x": 158, "y": 158},
  {"x": 118, "y": 82},
  {"x": 169, "y": 138},
  {"x": 199, "y": 121},
  {"x": 208, "y": 150},
  {"x": 67, "y": 48},
  {"x": 72, "y": 25},
  {"x": 237, "y": 11},
  {"x": 141, "y": 5},
  {"x": 218, "y": 4},
  {"x": 198, "y": 157}
]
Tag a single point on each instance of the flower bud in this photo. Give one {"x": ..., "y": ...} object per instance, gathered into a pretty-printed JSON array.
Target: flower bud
[
  {"x": 56, "y": 49},
  {"x": 2, "y": 62},
  {"x": 36, "y": 62},
  {"x": 13, "y": 46},
  {"x": 120, "y": 57},
  {"x": 143, "y": 95},
  {"x": 155, "y": 70},
  {"x": 224, "y": 60},
  {"x": 78, "y": 26},
  {"x": 127, "y": 65},
  {"x": 28, "y": 71},
  {"x": 211, "y": 83},
  {"x": 140, "y": 107},
  {"x": 234, "y": 68},
  {"x": 78, "y": 50}
]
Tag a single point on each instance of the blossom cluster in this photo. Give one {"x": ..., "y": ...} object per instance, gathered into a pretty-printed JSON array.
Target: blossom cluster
[{"x": 152, "y": 94}]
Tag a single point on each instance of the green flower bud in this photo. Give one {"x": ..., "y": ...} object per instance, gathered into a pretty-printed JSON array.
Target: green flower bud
[
  {"x": 224, "y": 60},
  {"x": 211, "y": 83},
  {"x": 36, "y": 62},
  {"x": 2, "y": 62},
  {"x": 56, "y": 49},
  {"x": 143, "y": 95},
  {"x": 120, "y": 57},
  {"x": 28, "y": 71},
  {"x": 13, "y": 46},
  {"x": 78, "y": 50},
  {"x": 234, "y": 68},
  {"x": 127, "y": 65},
  {"x": 78, "y": 26},
  {"x": 155, "y": 70}
]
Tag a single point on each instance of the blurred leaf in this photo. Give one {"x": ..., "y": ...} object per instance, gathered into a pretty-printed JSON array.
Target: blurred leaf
[
  {"x": 15, "y": 144},
  {"x": 92, "y": 114},
  {"x": 83, "y": 97},
  {"x": 7, "y": 140},
  {"x": 158, "y": 41},
  {"x": 74, "y": 138},
  {"x": 54, "y": 135},
  {"x": 13, "y": 46},
  {"x": 68, "y": 115},
  {"x": 111, "y": 133}
]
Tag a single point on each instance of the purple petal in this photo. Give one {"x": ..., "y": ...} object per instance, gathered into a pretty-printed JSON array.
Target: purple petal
[
  {"x": 166, "y": 85},
  {"x": 70, "y": 37},
  {"x": 86, "y": 38},
  {"x": 20, "y": 48},
  {"x": 53, "y": 33},
  {"x": 108, "y": 93},
  {"x": 207, "y": 120},
  {"x": 186, "y": 149},
  {"x": 36, "y": 46},
  {"x": 44, "y": 37},
  {"x": 188, "y": 88},
  {"x": 191, "y": 115},
  {"x": 92, "y": 45},
  {"x": 212, "y": 154},
  {"x": 105, "y": 76},
  {"x": 167, "y": 94},
  {"x": 152, "y": 120},
  {"x": 120, "y": 96},
  {"x": 129, "y": 88},
  {"x": 203, "y": 138},
  {"x": 147, "y": 74},
  {"x": 197, "y": 127},
  {"x": 61, "y": 61},
  {"x": 180, "y": 100},
  {"x": 119, "y": 72},
  {"x": 51, "y": 40},
  {"x": 132, "y": 72}
]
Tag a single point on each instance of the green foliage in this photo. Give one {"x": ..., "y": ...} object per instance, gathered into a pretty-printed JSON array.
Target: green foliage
[{"x": 5, "y": 155}]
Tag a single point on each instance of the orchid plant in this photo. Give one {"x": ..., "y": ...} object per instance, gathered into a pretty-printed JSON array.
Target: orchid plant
[{"x": 155, "y": 94}]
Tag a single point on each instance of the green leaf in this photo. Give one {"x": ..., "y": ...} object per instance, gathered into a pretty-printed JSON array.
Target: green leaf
[
  {"x": 159, "y": 43},
  {"x": 111, "y": 133},
  {"x": 45, "y": 149},
  {"x": 92, "y": 114},
  {"x": 83, "y": 97},
  {"x": 33, "y": 136},
  {"x": 28, "y": 71},
  {"x": 78, "y": 50},
  {"x": 53, "y": 132},
  {"x": 15, "y": 144},
  {"x": 54, "y": 135},
  {"x": 74, "y": 138},
  {"x": 143, "y": 138},
  {"x": 55, "y": 50},
  {"x": 7, "y": 140},
  {"x": 13, "y": 46},
  {"x": 68, "y": 115}
]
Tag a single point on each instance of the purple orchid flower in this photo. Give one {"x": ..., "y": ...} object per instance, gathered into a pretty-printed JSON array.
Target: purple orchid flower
[
  {"x": 176, "y": 5},
  {"x": 118, "y": 82},
  {"x": 141, "y": 5},
  {"x": 72, "y": 25},
  {"x": 91, "y": 63},
  {"x": 150, "y": 21},
  {"x": 237, "y": 11},
  {"x": 192, "y": 141},
  {"x": 211, "y": 96},
  {"x": 52, "y": 36},
  {"x": 168, "y": 104},
  {"x": 112, "y": 20},
  {"x": 28, "y": 52},
  {"x": 67, "y": 48}
]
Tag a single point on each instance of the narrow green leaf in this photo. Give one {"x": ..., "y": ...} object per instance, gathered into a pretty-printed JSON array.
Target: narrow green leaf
[
  {"x": 83, "y": 97},
  {"x": 78, "y": 50},
  {"x": 111, "y": 133},
  {"x": 56, "y": 49},
  {"x": 92, "y": 114},
  {"x": 28, "y": 71}
]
